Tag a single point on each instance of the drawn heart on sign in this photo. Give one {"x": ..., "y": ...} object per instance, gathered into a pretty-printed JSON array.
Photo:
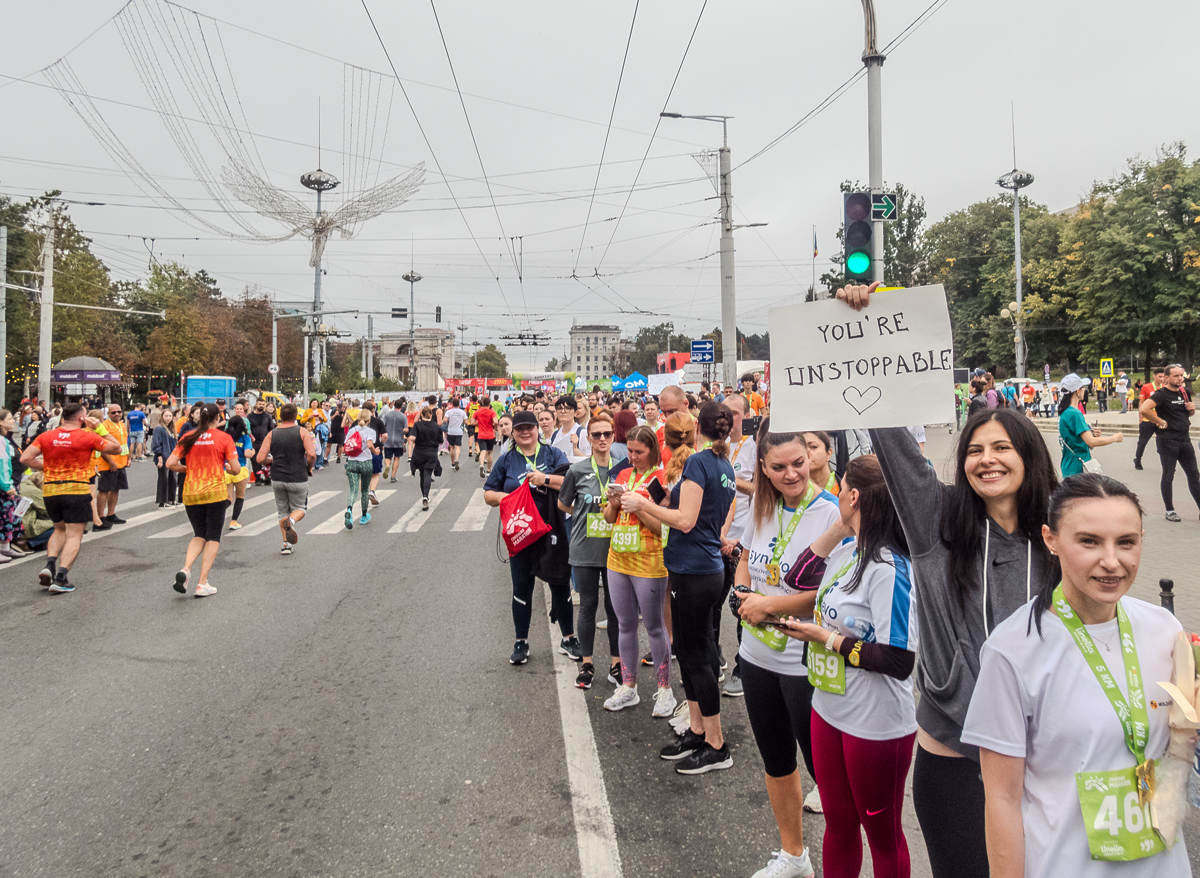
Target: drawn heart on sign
[{"x": 861, "y": 400}]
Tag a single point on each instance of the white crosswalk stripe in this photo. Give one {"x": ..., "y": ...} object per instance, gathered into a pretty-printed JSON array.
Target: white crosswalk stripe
[
  {"x": 412, "y": 520},
  {"x": 185, "y": 529},
  {"x": 272, "y": 521},
  {"x": 474, "y": 517},
  {"x": 337, "y": 523}
]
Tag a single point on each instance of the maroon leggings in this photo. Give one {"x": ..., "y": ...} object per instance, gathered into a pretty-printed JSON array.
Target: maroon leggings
[{"x": 862, "y": 784}]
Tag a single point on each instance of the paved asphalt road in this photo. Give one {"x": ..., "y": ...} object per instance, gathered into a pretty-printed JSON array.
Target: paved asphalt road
[{"x": 350, "y": 710}]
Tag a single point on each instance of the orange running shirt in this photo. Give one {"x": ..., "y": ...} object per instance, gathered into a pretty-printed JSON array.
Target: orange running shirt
[
  {"x": 205, "y": 481},
  {"x": 67, "y": 460},
  {"x": 119, "y": 434},
  {"x": 647, "y": 563}
]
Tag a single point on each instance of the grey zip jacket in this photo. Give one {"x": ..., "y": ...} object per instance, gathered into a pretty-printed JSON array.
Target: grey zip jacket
[{"x": 952, "y": 634}]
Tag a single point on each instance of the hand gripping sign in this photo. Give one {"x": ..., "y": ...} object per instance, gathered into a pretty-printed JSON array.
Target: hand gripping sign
[{"x": 889, "y": 365}]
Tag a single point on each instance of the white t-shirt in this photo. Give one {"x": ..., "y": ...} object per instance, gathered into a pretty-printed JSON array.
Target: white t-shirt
[
  {"x": 918, "y": 432},
  {"x": 876, "y": 707},
  {"x": 743, "y": 454},
  {"x": 455, "y": 418},
  {"x": 561, "y": 439},
  {"x": 1037, "y": 699},
  {"x": 367, "y": 434},
  {"x": 759, "y": 542},
  {"x": 1122, "y": 386}
]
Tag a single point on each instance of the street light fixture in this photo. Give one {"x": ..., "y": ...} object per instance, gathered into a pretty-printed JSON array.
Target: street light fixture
[
  {"x": 728, "y": 297},
  {"x": 1016, "y": 181}
]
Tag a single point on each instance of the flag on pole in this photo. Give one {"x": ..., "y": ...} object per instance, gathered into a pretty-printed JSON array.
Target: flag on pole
[{"x": 814, "y": 242}]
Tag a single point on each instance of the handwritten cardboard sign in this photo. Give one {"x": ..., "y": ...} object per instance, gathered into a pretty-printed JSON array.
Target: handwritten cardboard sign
[{"x": 889, "y": 365}]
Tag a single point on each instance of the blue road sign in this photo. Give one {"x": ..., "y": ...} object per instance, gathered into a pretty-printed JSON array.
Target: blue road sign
[{"x": 703, "y": 351}]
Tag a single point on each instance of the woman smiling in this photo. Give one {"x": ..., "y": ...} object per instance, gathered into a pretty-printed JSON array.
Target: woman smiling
[{"x": 1069, "y": 719}]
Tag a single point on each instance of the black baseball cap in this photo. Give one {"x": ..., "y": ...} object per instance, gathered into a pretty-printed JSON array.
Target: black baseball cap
[
  {"x": 220, "y": 402},
  {"x": 524, "y": 419}
]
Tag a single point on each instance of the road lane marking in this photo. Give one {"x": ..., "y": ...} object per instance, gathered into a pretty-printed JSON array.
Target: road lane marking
[
  {"x": 186, "y": 529},
  {"x": 337, "y": 522},
  {"x": 474, "y": 517},
  {"x": 272, "y": 521},
  {"x": 412, "y": 520},
  {"x": 599, "y": 856}
]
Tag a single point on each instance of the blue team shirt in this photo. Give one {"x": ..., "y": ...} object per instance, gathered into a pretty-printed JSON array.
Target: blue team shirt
[
  {"x": 137, "y": 421},
  {"x": 699, "y": 550},
  {"x": 511, "y": 467}
]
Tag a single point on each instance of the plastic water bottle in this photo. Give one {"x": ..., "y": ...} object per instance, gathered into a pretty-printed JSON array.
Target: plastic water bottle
[{"x": 1194, "y": 779}]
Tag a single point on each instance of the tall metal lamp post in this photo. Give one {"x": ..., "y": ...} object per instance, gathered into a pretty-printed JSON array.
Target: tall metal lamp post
[
  {"x": 319, "y": 181},
  {"x": 412, "y": 277},
  {"x": 1016, "y": 181}
]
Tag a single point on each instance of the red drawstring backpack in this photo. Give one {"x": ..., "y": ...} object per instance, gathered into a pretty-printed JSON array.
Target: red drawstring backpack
[{"x": 520, "y": 522}]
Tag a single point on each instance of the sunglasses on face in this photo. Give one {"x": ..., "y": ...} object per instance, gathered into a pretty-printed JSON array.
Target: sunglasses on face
[{"x": 607, "y": 434}]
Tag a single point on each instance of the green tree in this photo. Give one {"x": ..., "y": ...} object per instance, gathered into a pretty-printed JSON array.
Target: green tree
[
  {"x": 553, "y": 365},
  {"x": 1135, "y": 254},
  {"x": 651, "y": 341},
  {"x": 491, "y": 362}
]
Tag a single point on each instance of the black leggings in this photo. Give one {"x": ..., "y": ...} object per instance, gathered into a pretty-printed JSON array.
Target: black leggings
[
  {"x": 208, "y": 520},
  {"x": 780, "y": 711},
  {"x": 520, "y": 566},
  {"x": 721, "y": 608},
  {"x": 1170, "y": 452},
  {"x": 1145, "y": 431},
  {"x": 166, "y": 482},
  {"x": 693, "y": 596},
  {"x": 588, "y": 581},
  {"x": 948, "y": 797}
]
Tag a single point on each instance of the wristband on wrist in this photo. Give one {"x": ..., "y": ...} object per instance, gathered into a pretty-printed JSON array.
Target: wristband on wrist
[
  {"x": 102, "y": 430},
  {"x": 829, "y": 640}
]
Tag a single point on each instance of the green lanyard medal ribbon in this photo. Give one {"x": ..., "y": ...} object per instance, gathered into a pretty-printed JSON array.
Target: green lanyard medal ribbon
[
  {"x": 596, "y": 525},
  {"x": 1127, "y": 834},
  {"x": 627, "y": 538},
  {"x": 769, "y": 636}
]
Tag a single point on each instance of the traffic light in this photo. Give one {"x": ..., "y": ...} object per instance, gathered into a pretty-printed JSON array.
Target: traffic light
[
  {"x": 438, "y": 315},
  {"x": 399, "y": 313},
  {"x": 857, "y": 231}
]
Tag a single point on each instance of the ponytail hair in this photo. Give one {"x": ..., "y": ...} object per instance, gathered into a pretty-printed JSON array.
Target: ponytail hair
[
  {"x": 679, "y": 435},
  {"x": 208, "y": 416},
  {"x": 879, "y": 526},
  {"x": 716, "y": 423}
]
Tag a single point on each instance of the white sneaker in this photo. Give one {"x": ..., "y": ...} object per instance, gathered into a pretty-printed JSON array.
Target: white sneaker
[
  {"x": 784, "y": 865},
  {"x": 812, "y": 802},
  {"x": 602, "y": 624},
  {"x": 203, "y": 591},
  {"x": 664, "y": 702},
  {"x": 625, "y": 696}
]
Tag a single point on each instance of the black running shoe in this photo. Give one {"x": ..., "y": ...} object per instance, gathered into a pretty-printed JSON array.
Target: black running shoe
[
  {"x": 684, "y": 744},
  {"x": 614, "y": 674},
  {"x": 706, "y": 759},
  {"x": 587, "y": 673},
  {"x": 520, "y": 653},
  {"x": 107, "y": 525},
  {"x": 112, "y": 519},
  {"x": 569, "y": 646}
]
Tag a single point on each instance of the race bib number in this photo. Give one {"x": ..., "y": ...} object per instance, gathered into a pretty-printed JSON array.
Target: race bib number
[
  {"x": 627, "y": 538},
  {"x": 597, "y": 526},
  {"x": 124, "y": 449},
  {"x": 826, "y": 669},
  {"x": 1118, "y": 826},
  {"x": 768, "y": 636}
]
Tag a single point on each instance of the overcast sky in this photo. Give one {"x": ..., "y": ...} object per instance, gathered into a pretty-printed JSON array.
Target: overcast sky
[{"x": 1092, "y": 84}]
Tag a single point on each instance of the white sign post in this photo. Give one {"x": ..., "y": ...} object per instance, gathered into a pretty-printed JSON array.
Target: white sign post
[{"x": 889, "y": 365}]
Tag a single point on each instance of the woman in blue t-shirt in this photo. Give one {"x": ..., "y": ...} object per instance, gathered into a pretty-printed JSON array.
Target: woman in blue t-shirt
[
  {"x": 1074, "y": 435},
  {"x": 700, "y": 505}
]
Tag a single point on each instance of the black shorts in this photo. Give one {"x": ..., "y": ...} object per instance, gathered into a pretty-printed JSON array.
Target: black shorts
[
  {"x": 470, "y": 429},
  {"x": 376, "y": 463},
  {"x": 208, "y": 520},
  {"x": 487, "y": 444},
  {"x": 389, "y": 453},
  {"x": 69, "y": 508},
  {"x": 455, "y": 441},
  {"x": 112, "y": 480}
]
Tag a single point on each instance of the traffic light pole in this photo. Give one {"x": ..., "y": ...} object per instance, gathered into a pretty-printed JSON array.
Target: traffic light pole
[{"x": 874, "y": 64}]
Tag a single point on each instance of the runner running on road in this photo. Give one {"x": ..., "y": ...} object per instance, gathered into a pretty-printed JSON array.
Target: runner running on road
[
  {"x": 1170, "y": 408},
  {"x": 292, "y": 452},
  {"x": 424, "y": 439},
  {"x": 485, "y": 428},
  {"x": 360, "y": 448},
  {"x": 204, "y": 454},
  {"x": 395, "y": 425},
  {"x": 1063, "y": 745},
  {"x": 376, "y": 424},
  {"x": 236, "y": 483},
  {"x": 455, "y": 419},
  {"x": 65, "y": 455}
]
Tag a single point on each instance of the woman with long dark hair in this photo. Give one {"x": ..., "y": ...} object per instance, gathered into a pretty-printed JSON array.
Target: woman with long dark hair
[
  {"x": 862, "y": 648},
  {"x": 162, "y": 443},
  {"x": 205, "y": 454},
  {"x": 789, "y": 512},
  {"x": 1069, "y": 715},
  {"x": 700, "y": 506},
  {"x": 978, "y": 553}
]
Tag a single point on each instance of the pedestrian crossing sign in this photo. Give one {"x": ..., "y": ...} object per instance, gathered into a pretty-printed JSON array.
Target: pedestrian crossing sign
[{"x": 1106, "y": 368}]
